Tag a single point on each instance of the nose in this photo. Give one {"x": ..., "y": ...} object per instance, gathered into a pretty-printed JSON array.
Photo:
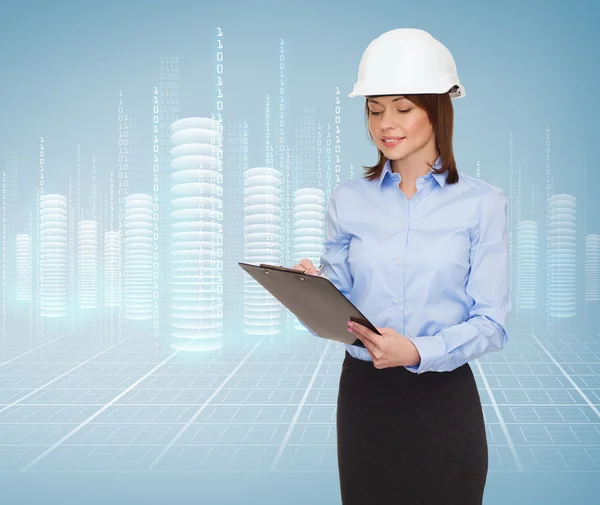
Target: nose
[{"x": 386, "y": 120}]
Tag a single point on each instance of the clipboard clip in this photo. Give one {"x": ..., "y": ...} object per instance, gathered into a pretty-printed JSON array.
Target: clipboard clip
[{"x": 284, "y": 269}]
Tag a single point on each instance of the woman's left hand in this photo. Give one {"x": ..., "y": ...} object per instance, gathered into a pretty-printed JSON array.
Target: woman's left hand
[{"x": 388, "y": 349}]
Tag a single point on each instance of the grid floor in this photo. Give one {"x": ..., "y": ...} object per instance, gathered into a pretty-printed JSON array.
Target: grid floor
[{"x": 65, "y": 406}]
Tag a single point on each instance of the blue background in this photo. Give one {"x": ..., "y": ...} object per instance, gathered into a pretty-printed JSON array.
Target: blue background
[{"x": 84, "y": 414}]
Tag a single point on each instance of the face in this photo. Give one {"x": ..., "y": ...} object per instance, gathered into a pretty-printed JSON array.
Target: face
[{"x": 396, "y": 116}]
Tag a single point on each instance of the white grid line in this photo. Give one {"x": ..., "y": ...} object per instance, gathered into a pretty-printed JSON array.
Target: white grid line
[
  {"x": 261, "y": 472},
  {"x": 204, "y": 405},
  {"x": 262, "y": 445},
  {"x": 269, "y": 423},
  {"x": 182, "y": 389},
  {"x": 299, "y": 408},
  {"x": 248, "y": 404},
  {"x": 43, "y": 386},
  {"x": 575, "y": 386},
  {"x": 98, "y": 412},
  {"x": 271, "y": 362},
  {"x": 30, "y": 351},
  {"x": 511, "y": 445}
]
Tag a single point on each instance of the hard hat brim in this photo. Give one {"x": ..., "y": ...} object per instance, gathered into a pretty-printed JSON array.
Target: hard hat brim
[{"x": 456, "y": 91}]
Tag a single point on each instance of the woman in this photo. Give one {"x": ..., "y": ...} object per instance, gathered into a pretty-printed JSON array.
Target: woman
[{"x": 421, "y": 249}]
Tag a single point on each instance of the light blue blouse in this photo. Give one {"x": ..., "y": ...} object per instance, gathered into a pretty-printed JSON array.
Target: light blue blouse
[{"x": 434, "y": 267}]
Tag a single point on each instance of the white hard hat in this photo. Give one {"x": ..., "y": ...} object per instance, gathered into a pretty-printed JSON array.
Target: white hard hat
[{"x": 407, "y": 61}]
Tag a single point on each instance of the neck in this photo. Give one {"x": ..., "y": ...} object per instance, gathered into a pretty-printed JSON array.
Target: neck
[{"x": 412, "y": 168}]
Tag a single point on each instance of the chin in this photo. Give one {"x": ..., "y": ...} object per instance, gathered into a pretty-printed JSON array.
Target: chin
[{"x": 393, "y": 155}]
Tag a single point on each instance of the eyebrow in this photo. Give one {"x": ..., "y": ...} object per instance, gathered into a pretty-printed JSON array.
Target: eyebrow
[{"x": 394, "y": 100}]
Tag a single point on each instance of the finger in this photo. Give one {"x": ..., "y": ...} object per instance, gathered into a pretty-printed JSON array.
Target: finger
[
  {"x": 308, "y": 265},
  {"x": 367, "y": 334},
  {"x": 368, "y": 345}
]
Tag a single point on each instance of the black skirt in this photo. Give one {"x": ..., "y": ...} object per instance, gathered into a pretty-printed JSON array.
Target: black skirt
[{"x": 407, "y": 438}]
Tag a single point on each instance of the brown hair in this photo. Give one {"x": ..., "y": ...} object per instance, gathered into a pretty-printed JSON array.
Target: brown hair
[{"x": 441, "y": 114}]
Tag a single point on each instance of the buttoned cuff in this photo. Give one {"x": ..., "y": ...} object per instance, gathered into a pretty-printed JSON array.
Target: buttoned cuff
[{"x": 431, "y": 350}]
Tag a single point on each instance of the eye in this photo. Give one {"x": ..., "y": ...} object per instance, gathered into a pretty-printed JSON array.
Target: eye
[{"x": 373, "y": 113}]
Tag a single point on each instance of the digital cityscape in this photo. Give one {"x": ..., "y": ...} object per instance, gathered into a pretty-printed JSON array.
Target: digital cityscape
[{"x": 131, "y": 341}]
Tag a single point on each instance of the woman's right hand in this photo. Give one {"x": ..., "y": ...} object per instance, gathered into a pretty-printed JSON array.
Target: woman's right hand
[{"x": 306, "y": 264}]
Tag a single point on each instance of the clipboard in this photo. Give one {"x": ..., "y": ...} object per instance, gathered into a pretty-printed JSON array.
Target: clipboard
[{"x": 314, "y": 300}]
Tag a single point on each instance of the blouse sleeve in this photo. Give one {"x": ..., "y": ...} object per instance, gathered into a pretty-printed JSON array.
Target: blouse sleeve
[{"x": 488, "y": 287}]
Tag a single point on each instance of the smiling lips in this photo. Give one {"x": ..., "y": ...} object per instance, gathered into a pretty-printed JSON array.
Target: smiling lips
[{"x": 392, "y": 141}]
